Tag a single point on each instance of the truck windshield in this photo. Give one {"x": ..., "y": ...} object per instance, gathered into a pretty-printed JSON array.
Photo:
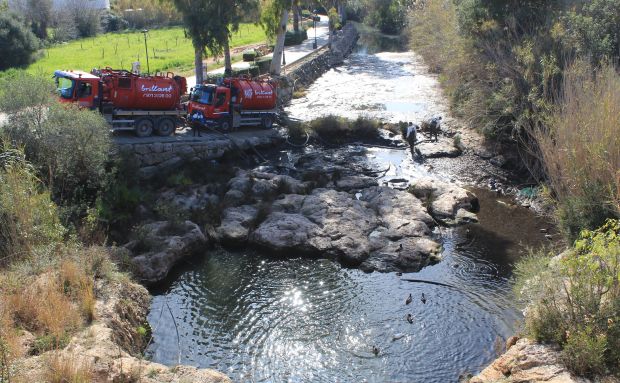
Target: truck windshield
[
  {"x": 203, "y": 95},
  {"x": 65, "y": 87}
]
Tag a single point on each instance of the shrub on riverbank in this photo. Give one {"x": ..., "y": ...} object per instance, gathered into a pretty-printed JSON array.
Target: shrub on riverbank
[
  {"x": 515, "y": 73},
  {"x": 68, "y": 146},
  {"x": 502, "y": 64},
  {"x": 47, "y": 278},
  {"x": 336, "y": 130},
  {"x": 575, "y": 300},
  {"x": 580, "y": 148}
]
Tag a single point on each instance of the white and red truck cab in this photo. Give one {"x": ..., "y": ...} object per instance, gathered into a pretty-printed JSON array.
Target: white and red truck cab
[{"x": 235, "y": 102}]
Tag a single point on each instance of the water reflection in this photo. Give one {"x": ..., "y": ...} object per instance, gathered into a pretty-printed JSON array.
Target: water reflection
[
  {"x": 268, "y": 319},
  {"x": 263, "y": 319}
]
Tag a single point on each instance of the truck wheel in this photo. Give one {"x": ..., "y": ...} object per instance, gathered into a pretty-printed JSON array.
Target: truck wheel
[
  {"x": 165, "y": 126},
  {"x": 143, "y": 127},
  {"x": 267, "y": 122},
  {"x": 224, "y": 125}
]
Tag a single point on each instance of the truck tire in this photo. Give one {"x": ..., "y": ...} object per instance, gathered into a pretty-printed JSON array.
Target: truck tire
[
  {"x": 267, "y": 122},
  {"x": 143, "y": 127},
  {"x": 224, "y": 125},
  {"x": 165, "y": 126}
]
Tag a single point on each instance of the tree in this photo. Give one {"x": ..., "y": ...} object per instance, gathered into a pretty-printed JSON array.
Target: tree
[
  {"x": 17, "y": 43},
  {"x": 203, "y": 28},
  {"x": 87, "y": 19},
  {"x": 37, "y": 14},
  {"x": 274, "y": 18},
  {"x": 233, "y": 13},
  {"x": 296, "y": 15},
  {"x": 68, "y": 146}
]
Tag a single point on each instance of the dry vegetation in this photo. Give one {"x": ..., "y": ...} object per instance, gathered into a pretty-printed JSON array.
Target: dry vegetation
[
  {"x": 67, "y": 369},
  {"x": 335, "y": 130},
  {"x": 580, "y": 147},
  {"x": 46, "y": 280}
]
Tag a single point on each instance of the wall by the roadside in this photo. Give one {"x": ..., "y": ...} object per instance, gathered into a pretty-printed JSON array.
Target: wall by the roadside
[
  {"x": 304, "y": 72},
  {"x": 157, "y": 158}
]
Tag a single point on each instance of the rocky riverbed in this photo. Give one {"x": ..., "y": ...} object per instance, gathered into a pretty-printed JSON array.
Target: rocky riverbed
[
  {"x": 333, "y": 209},
  {"x": 262, "y": 300}
]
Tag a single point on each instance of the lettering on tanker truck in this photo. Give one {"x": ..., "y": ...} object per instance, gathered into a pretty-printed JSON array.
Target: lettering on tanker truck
[
  {"x": 155, "y": 88},
  {"x": 155, "y": 91},
  {"x": 248, "y": 93}
]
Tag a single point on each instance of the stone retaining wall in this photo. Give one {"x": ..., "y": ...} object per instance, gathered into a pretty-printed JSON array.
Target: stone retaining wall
[
  {"x": 307, "y": 70},
  {"x": 155, "y": 158}
]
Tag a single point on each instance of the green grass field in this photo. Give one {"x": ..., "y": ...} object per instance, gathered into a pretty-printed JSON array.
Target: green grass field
[{"x": 169, "y": 50}]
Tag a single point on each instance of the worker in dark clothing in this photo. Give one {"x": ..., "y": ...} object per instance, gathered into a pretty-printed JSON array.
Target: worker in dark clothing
[
  {"x": 411, "y": 135},
  {"x": 435, "y": 128},
  {"x": 196, "y": 130}
]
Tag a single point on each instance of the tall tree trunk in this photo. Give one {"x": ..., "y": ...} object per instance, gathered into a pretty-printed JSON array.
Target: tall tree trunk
[
  {"x": 276, "y": 62},
  {"x": 330, "y": 34},
  {"x": 198, "y": 64},
  {"x": 342, "y": 10},
  {"x": 227, "y": 60},
  {"x": 295, "y": 17}
]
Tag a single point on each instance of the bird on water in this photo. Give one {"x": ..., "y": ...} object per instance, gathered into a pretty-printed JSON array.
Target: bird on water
[{"x": 409, "y": 299}]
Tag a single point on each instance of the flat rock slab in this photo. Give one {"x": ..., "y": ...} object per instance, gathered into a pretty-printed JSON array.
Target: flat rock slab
[
  {"x": 441, "y": 149},
  {"x": 163, "y": 245},
  {"x": 387, "y": 226},
  {"x": 448, "y": 203},
  {"x": 527, "y": 361}
]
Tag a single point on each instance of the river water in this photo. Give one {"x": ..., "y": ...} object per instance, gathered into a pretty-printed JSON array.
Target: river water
[{"x": 260, "y": 318}]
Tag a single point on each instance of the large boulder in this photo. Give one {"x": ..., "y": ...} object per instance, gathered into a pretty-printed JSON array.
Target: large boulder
[
  {"x": 387, "y": 226},
  {"x": 448, "y": 203},
  {"x": 161, "y": 245},
  {"x": 350, "y": 183},
  {"x": 527, "y": 361},
  {"x": 284, "y": 232},
  {"x": 189, "y": 199},
  {"x": 236, "y": 224},
  {"x": 440, "y": 149}
]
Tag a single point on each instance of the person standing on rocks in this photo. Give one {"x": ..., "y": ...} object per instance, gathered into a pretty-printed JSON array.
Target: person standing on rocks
[
  {"x": 435, "y": 128},
  {"x": 411, "y": 136}
]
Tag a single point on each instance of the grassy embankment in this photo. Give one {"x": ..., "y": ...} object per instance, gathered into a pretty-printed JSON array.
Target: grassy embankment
[
  {"x": 169, "y": 50},
  {"x": 54, "y": 166},
  {"x": 539, "y": 76}
]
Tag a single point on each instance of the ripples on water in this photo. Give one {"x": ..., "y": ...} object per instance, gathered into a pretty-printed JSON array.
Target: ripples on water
[{"x": 264, "y": 319}]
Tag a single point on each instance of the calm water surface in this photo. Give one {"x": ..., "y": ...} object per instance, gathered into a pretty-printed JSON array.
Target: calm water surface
[{"x": 265, "y": 319}]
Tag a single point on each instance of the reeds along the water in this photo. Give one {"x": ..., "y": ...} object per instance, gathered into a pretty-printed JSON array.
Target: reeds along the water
[{"x": 580, "y": 146}]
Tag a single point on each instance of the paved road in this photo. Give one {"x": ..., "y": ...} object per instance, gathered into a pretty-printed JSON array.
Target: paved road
[{"x": 291, "y": 54}]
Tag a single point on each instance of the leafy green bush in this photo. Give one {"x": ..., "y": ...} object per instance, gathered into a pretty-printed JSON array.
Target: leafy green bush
[
  {"x": 337, "y": 129},
  {"x": 591, "y": 29},
  {"x": 575, "y": 300},
  {"x": 69, "y": 146},
  {"x": 295, "y": 37},
  {"x": 263, "y": 64},
  {"x": 389, "y": 16},
  {"x": 28, "y": 218},
  {"x": 249, "y": 55},
  {"x": 17, "y": 43}
]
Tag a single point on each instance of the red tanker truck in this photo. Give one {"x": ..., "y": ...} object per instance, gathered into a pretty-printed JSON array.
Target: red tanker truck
[
  {"x": 234, "y": 103},
  {"x": 144, "y": 104}
]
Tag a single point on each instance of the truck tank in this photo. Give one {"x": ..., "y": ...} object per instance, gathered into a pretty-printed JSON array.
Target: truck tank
[
  {"x": 126, "y": 90},
  {"x": 253, "y": 94}
]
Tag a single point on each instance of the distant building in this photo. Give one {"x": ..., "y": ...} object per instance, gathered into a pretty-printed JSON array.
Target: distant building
[{"x": 90, "y": 4}]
